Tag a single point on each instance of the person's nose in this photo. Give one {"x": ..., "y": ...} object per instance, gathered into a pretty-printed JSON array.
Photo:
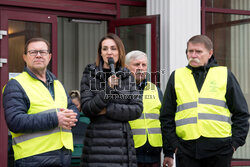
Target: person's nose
[
  {"x": 140, "y": 67},
  {"x": 109, "y": 51},
  {"x": 38, "y": 54},
  {"x": 194, "y": 54}
]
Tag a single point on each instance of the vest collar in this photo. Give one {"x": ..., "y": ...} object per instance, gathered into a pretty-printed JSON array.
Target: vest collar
[
  {"x": 49, "y": 76},
  {"x": 142, "y": 85}
]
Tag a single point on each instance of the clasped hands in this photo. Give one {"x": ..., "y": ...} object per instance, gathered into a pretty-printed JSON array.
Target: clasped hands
[{"x": 66, "y": 118}]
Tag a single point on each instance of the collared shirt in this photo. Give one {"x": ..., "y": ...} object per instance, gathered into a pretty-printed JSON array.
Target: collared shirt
[{"x": 49, "y": 81}]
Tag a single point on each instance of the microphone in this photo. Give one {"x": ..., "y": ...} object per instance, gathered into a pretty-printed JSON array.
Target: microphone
[{"x": 111, "y": 64}]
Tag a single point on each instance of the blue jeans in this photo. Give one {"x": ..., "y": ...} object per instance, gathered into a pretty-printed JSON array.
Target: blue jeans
[{"x": 57, "y": 158}]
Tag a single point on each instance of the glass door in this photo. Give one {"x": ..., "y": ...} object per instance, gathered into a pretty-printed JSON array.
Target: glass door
[
  {"x": 141, "y": 33},
  {"x": 20, "y": 27}
]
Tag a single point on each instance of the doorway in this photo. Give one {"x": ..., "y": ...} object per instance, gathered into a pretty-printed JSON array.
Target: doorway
[
  {"x": 77, "y": 46},
  {"x": 19, "y": 27},
  {"x": 74, "y": 44}
]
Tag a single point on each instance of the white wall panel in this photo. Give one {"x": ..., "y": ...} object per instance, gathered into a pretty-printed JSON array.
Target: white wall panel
[{"x": 179, "y": 20}]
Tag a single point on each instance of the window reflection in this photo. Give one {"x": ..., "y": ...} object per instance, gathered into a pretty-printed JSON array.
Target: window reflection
[
  {"x": 132, "y": 11},
  {"x": 137, "y": 37},
  {"x": 229, "y": 4},
  {"x": 231, "y": 37},
  {"x": 19, "y": 32}
]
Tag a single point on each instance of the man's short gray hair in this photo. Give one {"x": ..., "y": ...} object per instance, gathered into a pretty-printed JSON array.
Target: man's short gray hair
[{"x": 135, "y": 54}]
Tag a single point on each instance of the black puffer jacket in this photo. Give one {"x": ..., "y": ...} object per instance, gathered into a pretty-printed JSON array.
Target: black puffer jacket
[{"x": 108, "y": 141}]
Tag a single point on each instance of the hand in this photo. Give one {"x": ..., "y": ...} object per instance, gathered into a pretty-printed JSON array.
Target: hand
[
  {"x": 66, "y": 118},
  {"x": 234, "y": 148},
  {"x": 113, "y": 81},
  {"x": 168, "y": 161},
  {"x": 103, "y": 112}
]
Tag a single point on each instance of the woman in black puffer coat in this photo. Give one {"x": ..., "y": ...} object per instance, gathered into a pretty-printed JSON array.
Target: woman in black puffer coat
[{"x": 110, "y": 101}]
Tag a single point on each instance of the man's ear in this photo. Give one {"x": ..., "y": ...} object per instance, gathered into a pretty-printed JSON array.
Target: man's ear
[
  {"x": 24, "y": 57},
  {"x": 126, "y": 65},
  {"x": 50, "y": 55},
  {"x": 186, "y": 53},
  {"x": 211, "y": 53}
]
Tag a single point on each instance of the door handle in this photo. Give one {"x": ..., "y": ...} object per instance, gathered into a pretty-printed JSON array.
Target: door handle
[
  {"x": 2, "y": 33},
  {"x": 2, "y": 60}
]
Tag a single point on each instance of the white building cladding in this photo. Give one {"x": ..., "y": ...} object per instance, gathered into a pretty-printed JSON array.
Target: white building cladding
[{"x": 179, "y": 21}]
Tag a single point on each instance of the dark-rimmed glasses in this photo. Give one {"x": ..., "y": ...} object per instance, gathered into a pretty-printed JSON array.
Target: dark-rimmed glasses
[{"x": 35, "y": 52}]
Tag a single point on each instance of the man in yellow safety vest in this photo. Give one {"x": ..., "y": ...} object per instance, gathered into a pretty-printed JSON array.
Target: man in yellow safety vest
[
  {"x": 38, "y": 112},
  {"x": 146, "y": 129},
  {"x": 204, "y": 116}
]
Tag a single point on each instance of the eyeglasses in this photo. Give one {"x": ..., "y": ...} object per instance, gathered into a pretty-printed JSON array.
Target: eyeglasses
[{"x": 35, "y": 52}]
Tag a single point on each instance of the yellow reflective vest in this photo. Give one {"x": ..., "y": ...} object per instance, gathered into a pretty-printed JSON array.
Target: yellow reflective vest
[
  {"x": 203, "y": 113},
  {"x": 29, "y": 144},
  {"x": 148, "y": 125}
]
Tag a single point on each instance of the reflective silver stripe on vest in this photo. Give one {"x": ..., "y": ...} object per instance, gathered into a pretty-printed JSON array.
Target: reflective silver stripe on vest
[
  {"x": 215, "y": 102},
  {"x": 154, "y": 130},
  {"x": 28, "y": 136},
  {"x": 186, "y": 106},
  {"x": 149, "y": 116},
  {"x": 214, "y": 117},
  {"x": 143, "y": 131},
  {"x": 47, "y": 111},
  {"x": 66, "y": 130},
  {"x": 185, "y": 121},
  {"x": 138, "y": 131}
]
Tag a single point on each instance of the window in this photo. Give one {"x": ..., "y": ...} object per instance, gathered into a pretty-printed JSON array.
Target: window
[
  {"x": 132, "y": 11},
  {"x": 229, "y": 30},
  {"x": 229, "y": 4}
]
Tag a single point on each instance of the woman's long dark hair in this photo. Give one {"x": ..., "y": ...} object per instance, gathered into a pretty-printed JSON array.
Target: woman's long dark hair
[{"x": 120, "y": 46}]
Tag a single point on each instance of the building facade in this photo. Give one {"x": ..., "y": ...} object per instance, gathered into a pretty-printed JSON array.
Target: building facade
[{"x": 160, "y": 28}]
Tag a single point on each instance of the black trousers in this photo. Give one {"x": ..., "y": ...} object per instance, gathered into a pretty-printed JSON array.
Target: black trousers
[{"x": 183, "y": 160}]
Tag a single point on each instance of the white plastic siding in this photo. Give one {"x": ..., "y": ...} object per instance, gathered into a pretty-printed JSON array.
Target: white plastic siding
[{"x": 179, "y": 21}]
